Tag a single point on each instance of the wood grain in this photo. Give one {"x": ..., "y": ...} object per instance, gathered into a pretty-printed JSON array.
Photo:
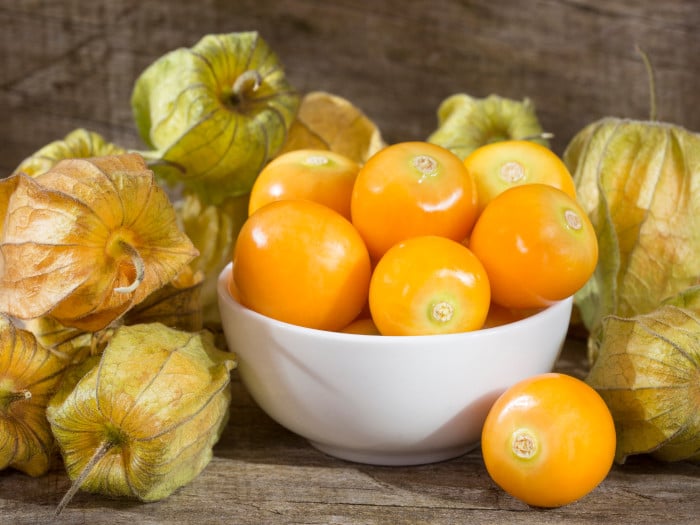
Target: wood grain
[
  {"x": 264, "y": 474},
  {"x": 73, "y": 63}
]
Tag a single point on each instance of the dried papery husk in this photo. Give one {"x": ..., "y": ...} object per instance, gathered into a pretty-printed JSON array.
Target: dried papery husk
[
  {"x": 213, "y": 230},
  {"x": 688, "y": 299},
  {"x": 69, "y": 344},
  {"x": 78, "y": 144},
  {"x": 87, "y": 240},
  {"x": 648, "y": 372},
  {"x": 329, "y": 122},
  {"x": 639, "y": 182},
  {"x": 7, "y": 188},
  {"x": 29, "y": 376},
  {"x": 143, "y": 421},
  {"x": 466, "y": 122},
  {"x": 177, "y": 304},
  {"x": 215, "y": 113}
]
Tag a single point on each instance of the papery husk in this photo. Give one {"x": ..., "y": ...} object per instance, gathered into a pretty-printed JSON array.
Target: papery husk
[
  {"x": 69, "y": 344},
  {"x": 87, "y": 240},
  {"x": 213, "y": 230},
  {"x": 466, "y": 123},
  {"x": 29, "y": 377},
  {"x": 215, "y": 113},
  {"x": 7, "y": 188},
  {"x": 639, "y": 183},
  {"x": 648, "y": 372},
  {"x": 142, "y": 422},
  {"x": 326, "y": 121},
  {"x": 177, "y": 304},
  {"x": 78, "y": 144}
]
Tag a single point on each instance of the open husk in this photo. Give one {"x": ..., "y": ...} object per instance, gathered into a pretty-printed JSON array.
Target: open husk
[{"x": 87, "y": 240}]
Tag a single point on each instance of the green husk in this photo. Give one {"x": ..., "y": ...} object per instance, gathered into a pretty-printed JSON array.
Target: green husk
[
  {"x": 639, "y": 182},
  {"x": 142, "y": 422},
  {"x": 214, "y": 114},
  {"x": 78, "y": 144},
  {"x": 648, "y": 372},
  {"x": 466, "y": 122}
]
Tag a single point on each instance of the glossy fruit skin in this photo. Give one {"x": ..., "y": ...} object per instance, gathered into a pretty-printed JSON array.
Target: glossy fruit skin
[
  {"x": 318, "y": 175},
  {"x": 548, "y": 440},
  {"x": 500, "y": 315},
  {"x": 362, "y": 326},
  {"x": 508, "y": 163},
  {"x": 302, "y": 263},
  {"x": 537, "y": 244},
  {"x": 428, "y": 285},
  {"x": 411, "y": 189}
]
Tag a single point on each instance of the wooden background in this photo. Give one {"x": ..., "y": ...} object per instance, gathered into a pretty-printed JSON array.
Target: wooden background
[{"x": 72, "y": 63}]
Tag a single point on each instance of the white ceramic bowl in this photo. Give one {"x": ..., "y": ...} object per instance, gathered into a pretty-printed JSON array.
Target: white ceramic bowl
[{"x": 386, "y": 400}]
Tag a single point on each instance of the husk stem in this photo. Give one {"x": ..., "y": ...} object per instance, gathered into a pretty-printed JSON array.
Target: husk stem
[
  {"x": 100, "y": 453},
  {"x": 545, "y": 135},
  {"x": 249, "y": 80},
  {"x": 652, "y": 83},
  {"x": 139, "y": 266},
  {"x": 8, "y": 398}
]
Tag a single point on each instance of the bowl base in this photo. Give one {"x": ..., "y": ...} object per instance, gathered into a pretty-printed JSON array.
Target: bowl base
[{"x": 393, "y": 459}]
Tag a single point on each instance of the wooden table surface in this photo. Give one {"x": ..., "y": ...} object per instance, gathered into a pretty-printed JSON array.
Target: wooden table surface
[{"x": 262, "y": 473}]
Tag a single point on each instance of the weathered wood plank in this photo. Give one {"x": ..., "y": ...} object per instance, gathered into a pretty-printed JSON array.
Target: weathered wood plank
[
  {"x": 73, "y": 63},
  {"x": 264, "y": 474}
]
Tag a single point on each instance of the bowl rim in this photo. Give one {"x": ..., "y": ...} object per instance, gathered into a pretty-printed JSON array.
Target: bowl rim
[{"x": 225, "y": 296}]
